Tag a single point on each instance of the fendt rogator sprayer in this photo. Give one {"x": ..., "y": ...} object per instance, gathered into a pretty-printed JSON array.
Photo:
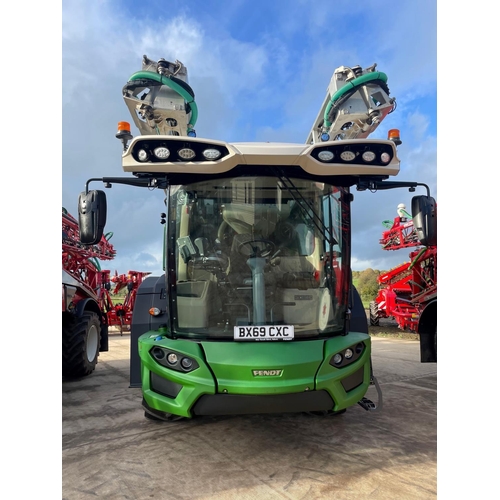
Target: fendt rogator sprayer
[
  {"x": 408, "y": 292},
  {"x": 87, "y": 305},
  {"x": 256, "y": 312}
]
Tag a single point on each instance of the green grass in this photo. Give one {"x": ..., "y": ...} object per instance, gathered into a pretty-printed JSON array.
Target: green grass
[{"x": 119, "y": 298}]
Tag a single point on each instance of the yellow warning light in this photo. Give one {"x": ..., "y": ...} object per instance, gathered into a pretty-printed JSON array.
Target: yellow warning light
[
  {"x": 124, "y": 127},
  {"x": 393, "y": 135},
  {"x": 124, "y": 134}
]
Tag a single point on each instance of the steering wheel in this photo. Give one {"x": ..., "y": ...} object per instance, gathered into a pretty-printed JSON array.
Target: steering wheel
[
  {"x": 285, "y": 231},
  {"x": 256, "y": 248}
]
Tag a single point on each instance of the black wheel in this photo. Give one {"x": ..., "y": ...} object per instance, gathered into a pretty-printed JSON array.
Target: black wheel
[
  {"x": 374, "y": 319},
  {"x": 256, "y": 248},
  {"x": 80, "y": 345}
]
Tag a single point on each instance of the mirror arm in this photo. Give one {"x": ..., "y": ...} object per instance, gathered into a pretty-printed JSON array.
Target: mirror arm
[
  {"x": 149, "y": 182},
  {"x": 375, "y": 185}
]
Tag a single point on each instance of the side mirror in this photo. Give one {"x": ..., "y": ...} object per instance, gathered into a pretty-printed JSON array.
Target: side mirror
[
  {"x": 91, "y": 216},
  {"x": 423, "y": 209}
]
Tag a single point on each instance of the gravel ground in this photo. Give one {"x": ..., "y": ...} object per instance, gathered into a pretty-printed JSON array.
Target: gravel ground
[{"x": 389, "y": 328}]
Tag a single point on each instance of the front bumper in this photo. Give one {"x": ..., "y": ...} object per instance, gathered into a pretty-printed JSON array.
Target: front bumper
[{"x": 219, "y": 386}]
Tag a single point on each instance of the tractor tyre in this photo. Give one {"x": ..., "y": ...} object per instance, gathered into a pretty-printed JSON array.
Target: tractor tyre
[
  {"x": 80, "y": 345},
  {"x": 374, "y": 319}
]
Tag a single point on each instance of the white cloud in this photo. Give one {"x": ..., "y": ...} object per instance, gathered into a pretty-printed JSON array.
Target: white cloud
[{"x": 419, "y": 123}]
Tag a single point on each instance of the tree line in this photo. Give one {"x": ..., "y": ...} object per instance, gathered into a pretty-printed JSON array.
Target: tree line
[{"x": 366, "y": 282}]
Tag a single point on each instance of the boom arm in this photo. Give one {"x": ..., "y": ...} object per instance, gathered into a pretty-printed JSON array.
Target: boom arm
[
  {"x": 161, "y": 102},
  {"x": 160, "y": 99},
  {"x": 356, "y": 102}
]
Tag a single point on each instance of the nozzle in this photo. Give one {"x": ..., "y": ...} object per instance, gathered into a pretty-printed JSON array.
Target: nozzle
[{"x": 162, "y": 66}]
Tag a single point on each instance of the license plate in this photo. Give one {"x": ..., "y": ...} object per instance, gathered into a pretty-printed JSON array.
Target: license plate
[{"x": 265, "y": 332}]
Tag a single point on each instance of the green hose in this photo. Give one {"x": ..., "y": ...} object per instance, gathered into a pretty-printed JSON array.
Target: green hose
[
  {"x": 417, "y": 257},
  {"x": 350, "y": 86},
  {"x": 149, "y": 75},
  {"x": 95, "y": 262}
]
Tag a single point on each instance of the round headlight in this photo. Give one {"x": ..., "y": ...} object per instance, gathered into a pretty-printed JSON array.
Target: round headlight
[
  {"x": 211, "y": 154},
  {"x": 337, "y": 359},
  {"x": 347, "y": 155},
  {"x": 186, "y": 363},
  {"x": 385, "y": 157},
  {"x": 186, "y": 153},
  {"x": 142, "y": 155},
  {"x": 325, "y": 155},
  {"x": 172, "y": 358},
  {"x": 162, "y": 153},
  {"x": 158, "y": 353},
  {"x": 348, "y": 353},
  {"x": 368, "y": 156}
]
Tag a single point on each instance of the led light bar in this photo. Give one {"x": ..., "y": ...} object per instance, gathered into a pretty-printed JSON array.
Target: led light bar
[
  {"x": 153, "y": 150},
  {"x": 358, "y": 152}
]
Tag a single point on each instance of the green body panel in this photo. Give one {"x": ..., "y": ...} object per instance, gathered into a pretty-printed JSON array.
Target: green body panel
[
  {"x": 233, "y": 363},
  {"x": 330, "y": 377},
  {"x": 228, "y": 367},
  {"x": 195, "y": 383}
]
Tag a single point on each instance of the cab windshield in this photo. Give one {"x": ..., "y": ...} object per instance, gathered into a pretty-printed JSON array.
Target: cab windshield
[{"x": 253, "y": 251}]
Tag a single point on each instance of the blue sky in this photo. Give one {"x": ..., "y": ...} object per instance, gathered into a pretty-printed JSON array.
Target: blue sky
[{"x": 260, "y": 72}]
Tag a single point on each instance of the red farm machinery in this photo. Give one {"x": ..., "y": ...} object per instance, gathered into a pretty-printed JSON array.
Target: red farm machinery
[
  {"x": 408, "y": 292},
  {"x": 119, "y": 313},
  {"x": 87, "y": 306}
]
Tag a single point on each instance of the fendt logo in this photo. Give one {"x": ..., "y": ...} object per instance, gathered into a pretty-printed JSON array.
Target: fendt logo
[{"x": 267, "y": 373}]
